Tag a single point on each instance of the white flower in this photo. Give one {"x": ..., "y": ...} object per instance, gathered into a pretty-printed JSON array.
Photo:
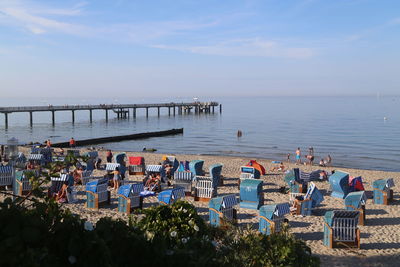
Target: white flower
[
  {"x": 88, "y": 226},
  {"x": 196, "y": 228},
  {"x": 184, "y": 210},
  {"x": 174, "y": 233},
  {"x": 184, "y": 240},
  {"x": 72, "y": 259},
  {"x": 149, "y": 235}
]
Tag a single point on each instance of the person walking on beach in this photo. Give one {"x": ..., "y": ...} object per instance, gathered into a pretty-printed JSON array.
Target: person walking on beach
[
  {"x": 311, "y": 151},
  {"x": 109, "y": 156},
  {"x": 288, "y": 158},
  {"x": 298, "y": 156},
  {"x": 72, "y": 142},
  {"x": 116, "y": 178}
]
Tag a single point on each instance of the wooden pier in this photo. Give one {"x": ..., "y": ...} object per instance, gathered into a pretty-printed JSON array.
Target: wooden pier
[{"x": 122, "y": 111}]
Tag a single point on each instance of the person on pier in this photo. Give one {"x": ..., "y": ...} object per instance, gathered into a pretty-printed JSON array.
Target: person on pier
[{"x": 72, "y": 142}]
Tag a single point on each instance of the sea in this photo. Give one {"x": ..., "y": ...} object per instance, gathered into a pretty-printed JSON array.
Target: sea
[{"x": 357, "y": 132}]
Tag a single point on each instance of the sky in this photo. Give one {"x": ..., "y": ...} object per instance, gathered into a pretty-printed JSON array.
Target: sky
[{"x": 183, "y": 48}]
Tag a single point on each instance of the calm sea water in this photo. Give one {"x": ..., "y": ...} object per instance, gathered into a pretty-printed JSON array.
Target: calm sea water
[{"x": 351, "y": 129}]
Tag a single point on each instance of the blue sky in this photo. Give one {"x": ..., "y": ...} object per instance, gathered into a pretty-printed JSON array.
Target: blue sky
[{"x": 199, "y": 48}]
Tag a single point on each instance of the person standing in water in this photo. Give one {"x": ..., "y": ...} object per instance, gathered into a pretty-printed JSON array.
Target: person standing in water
[{"x": 298, "y": 156}]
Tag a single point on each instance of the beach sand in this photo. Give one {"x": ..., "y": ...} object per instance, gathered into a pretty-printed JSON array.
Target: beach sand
[{"x": 380, "y": 237}]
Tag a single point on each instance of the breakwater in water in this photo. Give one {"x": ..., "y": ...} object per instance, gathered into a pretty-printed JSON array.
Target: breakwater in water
[{"x": 102, "y": 140}]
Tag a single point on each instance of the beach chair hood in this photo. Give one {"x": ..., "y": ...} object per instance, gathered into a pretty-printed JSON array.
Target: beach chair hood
[
  {"x": 339, "y": 184},
  {"x": 314, "y": 194},
  {"x": 356, "y": 184},
  {"x": 330, "y": 216},
  {"x": 196, "y": 167},
  {"x": 269, "y": 211},
  {"x": 92, "y": 186},
  {"x": 256, "y": 165},
  {"x": 381, "y": 184},
  {"x": 251, "y": 170},
  {"x": 136, "y": 160},
  {"x": 355, "y": 199}
]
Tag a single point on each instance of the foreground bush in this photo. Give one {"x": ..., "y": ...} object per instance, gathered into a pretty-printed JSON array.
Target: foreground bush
[{"x": 46, "y": 235}]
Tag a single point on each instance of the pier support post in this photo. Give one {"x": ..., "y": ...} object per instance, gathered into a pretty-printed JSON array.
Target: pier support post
[
  {"x": 220, "y": 108},
  {"x": 6, "y": 119},
  {"x": 134, "y": 112},
  {"x": 106, "y": 115},
  {"x": 53, "y": 117},
  {"x": 213, "y": 109},
  {"x": 31, "y": 118},
  {"x": 158, "y": 111},
  {"x": 73, "y": 116},
  {"x": 174, "y": 110},
  {"x": 169, "y": 111},
  {"x": 90, "y": 116},
  {"x": 147, "y": 112}
]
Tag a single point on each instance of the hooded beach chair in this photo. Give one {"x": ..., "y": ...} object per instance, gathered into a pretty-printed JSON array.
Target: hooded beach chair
[
  {"x": 272, "y": 217},
  {"x": 294, "y": 181},
  {"x": 205, "y": 188},
  {"x": 382, "y": 192},
  {"x": 170, "y": 196},
  {"x": 184, "y": 179},
  {"x": 92, "y": 158},
  {"x": 339, "y": 182},
  {"x": 20, "y": 160},
  {"x": 86, "y": 176},
  {"x": 97, "y": 193},
  {"x": 171, "y": 160},
  {"x": 356, "y": 184},
  {"x": 6, "y": 175},
  {"x": 222, "y": 211},
  {"x": 196, "y": 167},
  {"x": 158, "y": 169},
  {"x": 256, "y": 165},
  {"x": 251, "y": 195},
  {"x": 129, "y": 197},
  {"x": 136, "y": 166},
  {"x": 183, "y": 166},
  {"x": 120, "y": 159},
  {"x": 215, "y": 173},
  {"x": 248, "y": 172},
  {"x": 36, "y": 159},
  {"x": 341, "y": 229},
  {"x": 22, "y": 185},
  {"x": 58, "y": 182},
  {"x": 356, "y": 201},
  {"x": 303, "y": 205}
]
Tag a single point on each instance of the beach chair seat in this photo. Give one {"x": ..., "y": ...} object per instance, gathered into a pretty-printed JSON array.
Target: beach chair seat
[
  {"x": 6, "y": 175},
  {"x": 22, "y": 185},
  {"x": 204, "y": 189},
  {"x": 305, "y": 205},
  {"x": 184, "y": 179},
  {"x": 251, "y": 195},
  {"x": 170, "y": 196},
  {"x": 272, "y": 218},
  {"x": 339, "y": 182},
  {"x": 129, "y": 197},
  {"x": 136, "y": 166},
  {"x": 356, "y": 201},
  {"x": 72, "y": 193},
  {"x": 222, "y": 211},
  {"x": 196, "y": 167},
  {"x": 341, "y": 230},
  {"x": 382, "y": 191},
  {"x": 97, "y": 193}
]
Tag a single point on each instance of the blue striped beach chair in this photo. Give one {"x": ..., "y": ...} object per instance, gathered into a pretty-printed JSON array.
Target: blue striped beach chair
[
  {"x": 356, "y": 201},
  {"x": 129, "y": 197},
  {"x": 57, "y": 183},
  {"x": 305, "y": 204},
  {"x": 184, "y": 179},
  {"x": 97, "y": 193},
  {"x": 156, "y": 169},
  {"x": 296, "y": 182},
  {"x": 20, "y": 160},
  {"x": 251, "y": 195},
  {"x": 272, "y": 218},
  {"x": 92, "y": 158},
  {"x": 86, "y": 176},
  {"x": 341, "y": 229},
  {"x": 222, "y": 211},
  {"x": 382, "y": 192},
  {"x": 196, "y": 167},
  {"x": 36, "y": 159},
  {"x": 170, "y": 196},
  {"x": 215, "y": 173},
  {"x": 6, "y": 175}
]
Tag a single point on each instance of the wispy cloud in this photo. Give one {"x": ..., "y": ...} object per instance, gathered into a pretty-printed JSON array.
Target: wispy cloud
[
  {"x": 37, "y": 19},
  {"x": 372, "y": 30},
  {"x": 254, "y": 47}
]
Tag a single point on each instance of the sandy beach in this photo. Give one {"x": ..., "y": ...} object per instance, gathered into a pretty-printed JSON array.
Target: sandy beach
[{"x": 380, "y": 237}]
